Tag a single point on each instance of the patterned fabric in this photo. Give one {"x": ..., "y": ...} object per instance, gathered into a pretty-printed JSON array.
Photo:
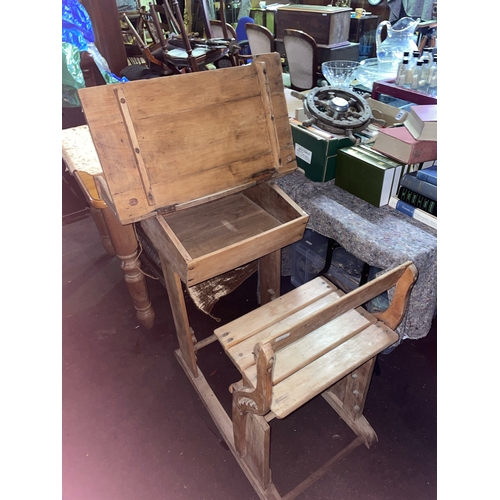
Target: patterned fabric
[
  {"x": 299, "y": 55},
  {"x": 259, "y": 43}
]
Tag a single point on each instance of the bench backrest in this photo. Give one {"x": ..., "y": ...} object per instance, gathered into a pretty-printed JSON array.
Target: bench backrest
[{"x": 402, "y": 277}]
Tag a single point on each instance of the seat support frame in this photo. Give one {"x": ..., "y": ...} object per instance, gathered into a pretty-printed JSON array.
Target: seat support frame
[{"x": 248, "y": 433}]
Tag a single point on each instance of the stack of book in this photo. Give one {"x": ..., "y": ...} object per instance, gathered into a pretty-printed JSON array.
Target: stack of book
[
  {"x": 417, "y": 195},
  {"x": 369, "y": 175},
  {"x": 413, "y": 142}
]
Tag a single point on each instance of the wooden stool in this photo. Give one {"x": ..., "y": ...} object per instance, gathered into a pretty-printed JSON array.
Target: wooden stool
[{"x": 313, "y": 340}]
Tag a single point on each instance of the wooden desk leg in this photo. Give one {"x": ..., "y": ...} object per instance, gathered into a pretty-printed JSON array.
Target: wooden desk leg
[
  {"x": 124, "y": 242},
  {"x": 270, "y": 276},
  {"x": 103, "y": 230},
  {"x": 178, "y": 305}
]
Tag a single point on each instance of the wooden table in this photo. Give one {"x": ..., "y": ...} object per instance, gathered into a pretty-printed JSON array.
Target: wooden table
[
  {"x": 381, "y": 237},
  {"x": 81, "y": 159}
]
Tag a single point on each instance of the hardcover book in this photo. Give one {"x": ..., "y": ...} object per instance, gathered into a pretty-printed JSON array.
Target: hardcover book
[
  {"x": 399, "y": 144},
  {"x": 398, "y": 166},
  {"x": 417, "y": 200},
  {"x": 365, "y": 176},
  {"x": 428, "y": 175},
  {"x": 413, "y": 212},
  {"x": 411, "y": 181},
  {"x": 422, "y": 122}
]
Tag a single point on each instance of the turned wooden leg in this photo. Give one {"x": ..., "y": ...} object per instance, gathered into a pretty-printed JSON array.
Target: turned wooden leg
[
  {"x": 347, "y": 397},
  {"x": 124, "y": 242},
  {"x": 270, "y": 276},
  {"x": 178, "y": 305},
  {"x": 103, "y": 230}
]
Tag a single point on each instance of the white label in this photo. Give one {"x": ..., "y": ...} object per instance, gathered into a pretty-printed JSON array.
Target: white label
[
  {"x": 399, "y": 115},
  {"x": 303, "y": 153}
]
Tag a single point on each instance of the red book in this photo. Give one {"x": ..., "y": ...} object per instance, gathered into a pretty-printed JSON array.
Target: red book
[
  {"x": 398, "y": 143},
  {"x": 422, "y": 122}
]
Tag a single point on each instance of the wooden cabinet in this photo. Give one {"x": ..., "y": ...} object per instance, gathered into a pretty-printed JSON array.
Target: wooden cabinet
[
  {"x": 327, "y": 25},
  {"x": 363, "y": 31}
]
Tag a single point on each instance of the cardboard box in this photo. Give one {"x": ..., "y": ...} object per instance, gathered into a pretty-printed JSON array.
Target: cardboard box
[
  {"x": 308, "y": 257},
  {"x": 391, "y": 114},
  {"x": 317, "y": 155}
]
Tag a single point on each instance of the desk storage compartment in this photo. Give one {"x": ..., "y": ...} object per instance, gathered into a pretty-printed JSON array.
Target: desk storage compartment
[
  {"x": 327, "y": 25},
  {"x": 205, "y": 240},
  {"x": 192, "y": 158}
]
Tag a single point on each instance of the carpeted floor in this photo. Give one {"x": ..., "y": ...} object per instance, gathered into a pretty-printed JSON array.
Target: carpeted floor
[{"x": 135, "y": 429}]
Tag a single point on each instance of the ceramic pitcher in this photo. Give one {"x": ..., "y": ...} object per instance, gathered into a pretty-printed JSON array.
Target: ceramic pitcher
[{"x": 400, "y": 39}]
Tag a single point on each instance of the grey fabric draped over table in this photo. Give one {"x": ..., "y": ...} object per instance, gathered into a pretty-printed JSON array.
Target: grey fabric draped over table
[{"x": 381, "y": 237}]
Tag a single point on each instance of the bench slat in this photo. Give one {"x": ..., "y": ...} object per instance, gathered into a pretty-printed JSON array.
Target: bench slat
[
  {"x": 248, "y": 325},
  {"x": 242, "y": 353},
  {"x": 316, "y": 377},
  {"x": 297, "y": 355}
]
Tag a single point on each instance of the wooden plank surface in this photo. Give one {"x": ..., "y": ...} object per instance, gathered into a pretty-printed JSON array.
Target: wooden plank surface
[
  {"x": 198, "y": 134},
  {"x": 309, "y": 348},
  {"x": 249, "y": 324},
  {"x": 332, "y": 366},
  {"x": 242, "y": 352}
]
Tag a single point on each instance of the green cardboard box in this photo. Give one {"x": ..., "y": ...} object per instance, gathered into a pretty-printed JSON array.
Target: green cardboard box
[{"x": 317, "y": 155}]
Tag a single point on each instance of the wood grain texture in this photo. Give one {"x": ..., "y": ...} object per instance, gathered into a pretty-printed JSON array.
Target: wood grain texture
[
  {"x": 316, "y": 377},
  {"x": 248, "y": 325},
  {"x": 210, "y": 239},
  {"x": 192, "y": 142}
]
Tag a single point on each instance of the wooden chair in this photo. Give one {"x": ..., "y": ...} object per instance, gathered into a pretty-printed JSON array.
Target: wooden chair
[
  {"x": 218, "y": 30},
  {"x": 176, "y": 59},
  {"x": 221, "y": 29},
  {"x": 301, "y": 53},
  {"x": 260, "y": 39},
  {"x": 313, "y": 340}
]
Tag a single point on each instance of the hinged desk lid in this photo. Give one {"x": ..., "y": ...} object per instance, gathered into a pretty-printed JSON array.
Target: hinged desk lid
[{"x": 169, "y": 142}]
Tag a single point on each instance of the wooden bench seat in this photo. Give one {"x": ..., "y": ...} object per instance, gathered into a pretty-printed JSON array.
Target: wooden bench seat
[
  {"x": 307, "y": 367},
  {"x": 314, "y": 340}
]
